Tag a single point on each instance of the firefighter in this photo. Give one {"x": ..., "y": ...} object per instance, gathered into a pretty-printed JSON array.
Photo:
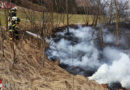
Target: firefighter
[
  {"x": 13, "y": 24},
  {"x": 14, "y": 29}
]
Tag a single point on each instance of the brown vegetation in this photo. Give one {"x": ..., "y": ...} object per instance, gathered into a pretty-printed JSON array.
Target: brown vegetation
[{"x": 28, "y": 73}]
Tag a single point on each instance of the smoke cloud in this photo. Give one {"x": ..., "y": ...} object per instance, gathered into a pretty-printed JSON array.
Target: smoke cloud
[
  {"x": 116, "y": 71},
  {"x": 80, "y": 48},
  {"x": 79, "y": 51}
]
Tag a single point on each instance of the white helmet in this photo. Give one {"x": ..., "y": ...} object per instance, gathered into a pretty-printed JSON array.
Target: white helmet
[
  {"x": 14, "y": 8},
  {"x": 14, "y": 18}
]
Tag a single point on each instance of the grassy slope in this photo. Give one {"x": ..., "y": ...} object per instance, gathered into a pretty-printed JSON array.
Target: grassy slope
[
  {"x": 58, "y": 18},
  {"x": 28, "y": 73}
]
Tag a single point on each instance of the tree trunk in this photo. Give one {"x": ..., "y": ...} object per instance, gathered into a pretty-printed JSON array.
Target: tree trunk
[
  {"x": 100, "y": 13},
  {"x": 117, "y": 23},
  {"x": 43, "y": 37},
  {"x": 6, "y": 18},
  {"x": 67, "y": 13},
  {"x": 52, "y": 16},
  {"x": 110, "y": 17}
]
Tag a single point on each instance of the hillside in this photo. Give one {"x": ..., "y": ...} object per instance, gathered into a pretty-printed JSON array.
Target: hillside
[
  {"x": 59, "y": 6},
  {"x": 28, "y": 4},
  {"x": 28, "y": 73}
]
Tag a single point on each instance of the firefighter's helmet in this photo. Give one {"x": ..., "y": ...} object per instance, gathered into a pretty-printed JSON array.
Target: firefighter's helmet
[{"x": 14, "y": 9}]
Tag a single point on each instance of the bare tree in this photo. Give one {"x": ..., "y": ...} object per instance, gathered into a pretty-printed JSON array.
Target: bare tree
[
  {"x": 43, "y": 38},
  {"x": 67, "y": 15},
  {"x": 52, "y": 14},
  {"x": 117, "y": 23},
  {"x": 100, "y": 22},
  {"x": 86, "y": 7},
  {"x": 6, "y": 17},
  {"x": 111, "y": 10}
]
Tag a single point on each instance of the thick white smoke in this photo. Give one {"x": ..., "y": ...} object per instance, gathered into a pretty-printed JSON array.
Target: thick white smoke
[
  {"x": 80, "y": 49},
  {"x": 116, "y": 71},
  {"x": 83, "y": 54}
]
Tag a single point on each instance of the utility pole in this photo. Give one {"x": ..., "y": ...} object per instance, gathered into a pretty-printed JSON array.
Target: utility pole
[{"x": 67, "y": 14}]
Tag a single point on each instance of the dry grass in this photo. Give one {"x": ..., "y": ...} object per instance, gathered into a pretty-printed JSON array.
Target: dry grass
[
  {"x": 28, "y": 73},
  {"x": 58, "y": 17}
]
